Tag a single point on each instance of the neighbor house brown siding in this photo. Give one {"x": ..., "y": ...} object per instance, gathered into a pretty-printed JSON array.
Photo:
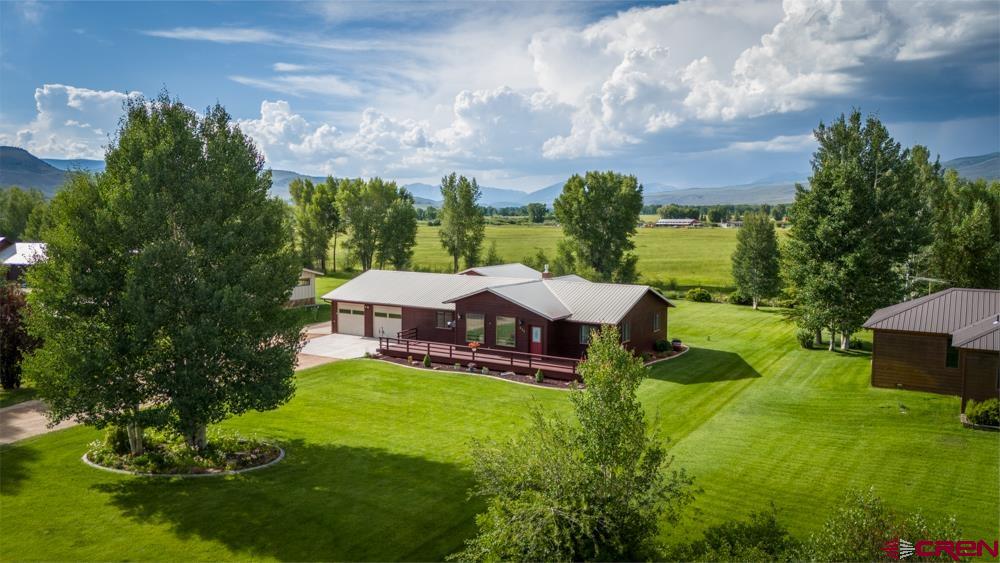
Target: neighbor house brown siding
[
  {"x": 641, "y": 319},
  {"x": 980, "y": 374},
  {"x": 913, "y": 360},
  {"x": 491, "y": 307},
  {"x": 425, "y": 321}
]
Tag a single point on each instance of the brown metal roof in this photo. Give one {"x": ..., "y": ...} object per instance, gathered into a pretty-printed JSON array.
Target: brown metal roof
[
  {"x": 943, "y": 312},
  {"x": 982, "y": 335}
]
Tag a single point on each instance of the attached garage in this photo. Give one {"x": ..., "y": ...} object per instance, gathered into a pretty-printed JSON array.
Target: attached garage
[
  {"x": 388, "y": 321},
  {"x": 351, "y": 318}
]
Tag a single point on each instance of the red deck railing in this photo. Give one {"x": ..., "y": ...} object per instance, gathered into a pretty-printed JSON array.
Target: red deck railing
[{"x": 440, "y": 352}]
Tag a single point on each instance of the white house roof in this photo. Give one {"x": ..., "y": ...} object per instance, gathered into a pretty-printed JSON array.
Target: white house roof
[
  {"x": 412, "y": 289},
  {"x": 22, "y": 253},
  {"x": 513, "y": 270},
  {"x": 575, "y": 300}
]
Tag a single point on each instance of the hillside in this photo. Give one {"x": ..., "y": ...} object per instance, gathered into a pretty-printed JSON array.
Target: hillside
[
  {"x": 85, "y": 164},
  {"x": 985, "y": 166},
  {"x": 746, "y": 193},
  {"x": 19, "y": 167}
]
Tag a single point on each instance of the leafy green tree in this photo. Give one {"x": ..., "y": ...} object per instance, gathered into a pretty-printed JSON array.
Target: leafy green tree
[
  {"x": 599, "y": 213},
  {"x": 161, "y": 301},
  {"x": 537, "y": 212},
  {"x": 463, "y": 226},
  {"x": 855, "y": 226},
  {"x": 317, "y": 218},
  {"x": 965, "y": 249},
  {"x": 716, "y": 214},
  {"x": 597, "y": 489},
  {"x": 492, "y": 256},
  {"x": 756, "y": 268},
  {"x": 380, "y": 222},
  {"x": 15, "y": 341},
  {"x": 16, "y": 207}
]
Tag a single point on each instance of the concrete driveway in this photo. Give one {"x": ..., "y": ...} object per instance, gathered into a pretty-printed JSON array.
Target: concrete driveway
[{"x": 340, "y": 346}]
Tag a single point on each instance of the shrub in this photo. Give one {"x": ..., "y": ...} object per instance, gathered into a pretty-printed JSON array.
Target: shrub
[
  {"x": 116, "y": 440},
  {"x": 485, "y": 370},
  {"x": 738, "y": 298},
  {"x": 539, "y": 376},
  {"x": 458, "y": 365},
  {"x": 698, "y": 295},
  {"x": 662, "y": 345},
  {"x": 805, "y": 337},
  {"x": 427, "y": 361},
  {"x": 761, "y": 538},
  {"x": 409, "y": 360},
  {"x": 857, "y": 344},
  {"x": 984, "y": 412}
]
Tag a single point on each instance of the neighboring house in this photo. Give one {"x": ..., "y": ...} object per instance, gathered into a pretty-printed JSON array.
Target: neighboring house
[
  {"x": 304, "y": 292},
  {"x": 16, "y": 257},
  {"x": 731, "y": 224},
  {"x": 946, "y": 342},
  {"x": 677, "y": 223},
  {"x": 547, "y": 316}
]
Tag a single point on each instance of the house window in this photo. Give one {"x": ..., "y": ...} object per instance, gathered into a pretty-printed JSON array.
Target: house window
[
  {"x": 506, "y": 331},
  {"x": 657, "y": 321},
  {"x": 444, "y": 319},
  {"x": 951, "y": 359},
  {"x": 626, "y": 331},
  {"x": 304, "y": 282},
  {"x": 475, "y": 327},
  {"x": 585, "y": 331}
]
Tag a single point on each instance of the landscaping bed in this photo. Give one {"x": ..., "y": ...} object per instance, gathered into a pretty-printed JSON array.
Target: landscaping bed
[{"x": 168, "y": 454}]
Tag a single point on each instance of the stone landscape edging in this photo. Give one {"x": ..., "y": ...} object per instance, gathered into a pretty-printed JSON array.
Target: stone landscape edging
[
  {"x": 969, "y": 424},
  {"x": 677, "y": 355},
  {"x": 281, "y": 456}
]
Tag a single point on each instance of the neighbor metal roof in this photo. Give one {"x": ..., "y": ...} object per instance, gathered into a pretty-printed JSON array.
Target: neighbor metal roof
[
  {"x": 22, "y": 253},
  {"x": 943, "y": 312},
  {"x": 513, "y": 270},
  {"x": 982, "y": 335},
  {"x": 412, "y": 289}
]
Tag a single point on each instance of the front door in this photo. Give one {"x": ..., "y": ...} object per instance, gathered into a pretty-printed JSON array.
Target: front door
[{"x": 536, "y": 340}]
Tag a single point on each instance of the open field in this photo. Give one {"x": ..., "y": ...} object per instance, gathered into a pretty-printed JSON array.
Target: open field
[
  {"x": 377, "y": 456},
  {"x": 694, "y": 257}
]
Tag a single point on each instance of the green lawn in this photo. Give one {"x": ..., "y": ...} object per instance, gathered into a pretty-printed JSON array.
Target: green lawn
[
  {"x": 10, "y": 397},
  {"x": 693, "y": 257},
  {"x": 377, "y": 456}
]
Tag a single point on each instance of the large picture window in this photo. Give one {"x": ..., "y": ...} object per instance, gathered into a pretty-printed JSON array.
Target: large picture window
[
  {"x": 585, "y": 331},
  {"x": 444, "y": 319},
  {"x": 475, "y": 327},
  {"x": 506, "y": 331}
]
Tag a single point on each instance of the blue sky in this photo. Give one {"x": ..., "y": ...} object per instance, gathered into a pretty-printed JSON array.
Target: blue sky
[{"x": 518, "y": 94}]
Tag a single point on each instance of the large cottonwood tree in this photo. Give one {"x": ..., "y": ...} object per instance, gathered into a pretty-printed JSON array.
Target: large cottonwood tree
[
  {"x": 380, "y": 221},
  {"x": 463, "y": 226},
  {"x": 599, "y": 213},
  {"x": 162, "y": 299},
  {"x": 756, "y": 270}
]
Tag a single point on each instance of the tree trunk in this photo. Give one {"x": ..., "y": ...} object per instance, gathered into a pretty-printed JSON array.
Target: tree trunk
[
  {"x": 845, "y": 341},
  {"x": 322, "y": 262},
  {"x": 334, "y": 252},
  {"x": 833, "y": 336},
  {"x": 135, "y": 444},
  {"x": 195, "y": 437},
  {"x": 819, "y": 337},
  {"x": 455, "y": 262},
  {"x": 754, "y": 302}
]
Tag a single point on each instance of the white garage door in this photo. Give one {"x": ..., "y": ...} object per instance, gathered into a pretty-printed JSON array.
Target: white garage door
[
  {"x": 388, "y": 320},
  {"x": 351, "y": 318}
]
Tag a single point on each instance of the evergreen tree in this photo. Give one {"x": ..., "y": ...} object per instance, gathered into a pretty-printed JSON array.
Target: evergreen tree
[
  {"x": 755, "y": 260},
  {"x": 161, "y": 301}
]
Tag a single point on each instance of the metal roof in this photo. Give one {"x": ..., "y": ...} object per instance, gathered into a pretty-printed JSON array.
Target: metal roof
[
  {"x": 943, "y": 312},
  {"x": 412, "y": 289},
  {"x": 554, "y": 299},
  {"x": 22, "y": 253},
  {"x": 513, "y": 270},
  {"x": 982, "y": 335},
  {"x": 571, "y": 277}
]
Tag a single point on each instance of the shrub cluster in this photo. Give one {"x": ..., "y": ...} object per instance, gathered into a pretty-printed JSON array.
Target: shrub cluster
[
  {"x": 539, "y": 376},
  {"x": 427, "y": 361},
  {"x": 699, "y": 295},
  {"x": 738, "y": 298},
  {"x": 985, "y": 412},
  {"x": 168, "y": 453},
  {"x": 805, "y": 337},
  {"x": 663, "y": 345}
]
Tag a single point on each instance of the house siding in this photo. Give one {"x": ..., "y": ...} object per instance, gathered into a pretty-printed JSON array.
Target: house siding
[
  {"x": 979, "y": 375},
  {"x": 915, "y": 361},
  {"x": 566, "y": 337},
  {"x": 425, "y": 321},
  {"x": 491, "y": 307}
]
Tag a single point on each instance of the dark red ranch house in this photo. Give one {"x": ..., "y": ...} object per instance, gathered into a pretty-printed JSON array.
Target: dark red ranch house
[
  {"x": 511, "y": 311},
  {"x": 946, "y": 342}
]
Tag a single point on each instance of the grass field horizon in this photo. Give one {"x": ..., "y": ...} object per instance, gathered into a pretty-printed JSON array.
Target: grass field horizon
[{"x": 377, "y": 463}]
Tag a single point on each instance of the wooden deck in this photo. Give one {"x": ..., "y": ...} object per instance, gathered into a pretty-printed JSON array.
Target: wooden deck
[{"x": 555, "y": 367}]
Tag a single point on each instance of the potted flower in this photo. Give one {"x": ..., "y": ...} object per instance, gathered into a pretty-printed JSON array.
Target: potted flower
[{"x": 474, "y": 346}]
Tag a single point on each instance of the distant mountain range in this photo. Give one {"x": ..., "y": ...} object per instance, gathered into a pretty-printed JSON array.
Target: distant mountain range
[{"x": 18, "y": 167}]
